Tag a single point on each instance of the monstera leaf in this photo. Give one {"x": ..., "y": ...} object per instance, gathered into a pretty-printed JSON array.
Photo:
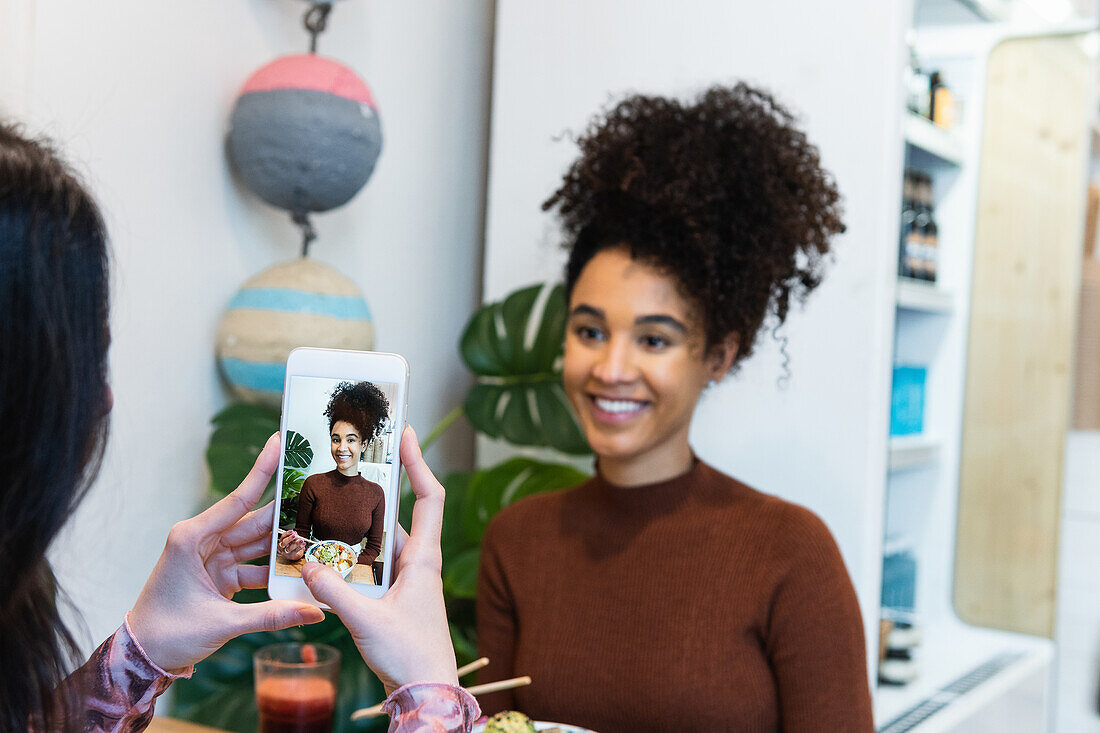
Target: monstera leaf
[
  {"x": 474, "y": 499},
  {"x": 296, "y": 458},
  {"x": 292, "y": 488},
  {"x": 240, "y": 432},
  {"x": 514, "y": 348},
  {"x": 298, "y": 453},
  {"x": 494, "y": 488}
]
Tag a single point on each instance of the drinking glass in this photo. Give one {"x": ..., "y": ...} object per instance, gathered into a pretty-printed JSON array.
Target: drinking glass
[{"x": 296, "y": 687}]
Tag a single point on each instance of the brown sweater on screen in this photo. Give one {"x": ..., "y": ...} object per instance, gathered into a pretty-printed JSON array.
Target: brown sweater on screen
[
  {"x": 694, "y": 604},
  {"x": 333, "y": 506}
]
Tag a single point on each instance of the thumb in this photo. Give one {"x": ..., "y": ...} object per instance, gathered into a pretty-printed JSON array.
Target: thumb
[
  {"x": 276, "y": 615},
  {"x": 329, "y": 588}
]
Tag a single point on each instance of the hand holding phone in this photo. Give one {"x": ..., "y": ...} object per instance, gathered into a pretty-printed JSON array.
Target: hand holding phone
[
  {"x": 403, "y": 636},
  {"x": 184, "y": 612}
]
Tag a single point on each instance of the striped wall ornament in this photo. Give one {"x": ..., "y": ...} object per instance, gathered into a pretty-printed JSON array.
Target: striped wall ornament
[{"x": 292, "y": 304}]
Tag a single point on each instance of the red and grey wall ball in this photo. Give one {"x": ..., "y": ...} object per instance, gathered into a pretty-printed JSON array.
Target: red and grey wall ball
[{"x": 305, "y": 133}]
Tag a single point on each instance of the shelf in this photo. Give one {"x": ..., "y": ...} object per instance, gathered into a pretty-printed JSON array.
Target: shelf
[
  {"x": 956, "y": 12},
  {"x": 916, "y": 295},
  {"x": 949, "y": 651},
  {"x": 942, "y": 145},
  {"x": 911, "y": 451}
]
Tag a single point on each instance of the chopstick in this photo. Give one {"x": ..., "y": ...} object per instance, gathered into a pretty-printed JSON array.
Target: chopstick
[
  {"x": 376, "y": 710},
  {"x": 309, "y": 543},
  {"x": 472, "y": 667},
  {"x": 498, "y": 686},
  {"x": 372, "y": 712}
]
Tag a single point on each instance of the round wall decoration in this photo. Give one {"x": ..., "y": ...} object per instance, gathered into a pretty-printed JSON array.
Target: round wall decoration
[
  {"x": 304, "y": 134},
  {"x": 297, "y": 303}
]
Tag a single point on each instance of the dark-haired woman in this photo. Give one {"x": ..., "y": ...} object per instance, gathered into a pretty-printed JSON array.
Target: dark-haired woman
[
  {"x": 54, "y": 406},
  {"x": 340, "y": 504},
  {"x": 662, "y": 594}
]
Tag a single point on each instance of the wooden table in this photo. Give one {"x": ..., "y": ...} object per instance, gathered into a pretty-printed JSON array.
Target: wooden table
[{"x": 363, "y": 574}]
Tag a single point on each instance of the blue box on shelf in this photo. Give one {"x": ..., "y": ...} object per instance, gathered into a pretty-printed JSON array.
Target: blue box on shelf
[
  {"x": 899, "y": 581},
  {"x": 907, "y": 400}
]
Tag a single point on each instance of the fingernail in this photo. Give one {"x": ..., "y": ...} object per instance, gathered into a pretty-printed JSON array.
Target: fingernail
[{"x": 311, "y": 615}]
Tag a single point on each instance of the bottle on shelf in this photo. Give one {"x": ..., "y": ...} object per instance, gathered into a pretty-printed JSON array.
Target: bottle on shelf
[
  {"x": 918, "y": 256},
  {"x": 929, "y": 259},
  {"x": 931, "y": 235},
  {"x": 941, "y": 101},
  {"x": 908, "y": 251},
  {"x": 922, "y": 247}
]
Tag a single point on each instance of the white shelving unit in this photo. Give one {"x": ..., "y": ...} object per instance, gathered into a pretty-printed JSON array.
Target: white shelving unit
[
  {"x": 931, "y": 141},
  {"x": 931, "y": 329},
  {"x": 915, "y": 295},
  {"x": 954, "y": 12},
  {"x": 913, "y": 451},
  {"x": 950, "y": 652}
]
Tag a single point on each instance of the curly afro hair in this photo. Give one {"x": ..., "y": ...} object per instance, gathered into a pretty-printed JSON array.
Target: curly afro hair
[
  {"x": 724, "y": 194},
  {"x": 361, "y": 404}
]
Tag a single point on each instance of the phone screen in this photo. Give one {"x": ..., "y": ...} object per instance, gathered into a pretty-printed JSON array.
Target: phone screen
[{"x": 340, "y": 470}]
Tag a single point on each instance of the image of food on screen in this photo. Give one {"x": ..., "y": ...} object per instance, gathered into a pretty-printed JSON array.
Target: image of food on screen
[{"x": 334, "y": 504}]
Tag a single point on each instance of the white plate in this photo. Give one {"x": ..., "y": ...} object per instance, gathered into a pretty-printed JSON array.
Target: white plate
[{"x": 354, "y": 554}]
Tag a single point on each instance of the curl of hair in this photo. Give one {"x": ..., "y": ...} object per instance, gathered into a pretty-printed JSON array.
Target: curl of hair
[
  {"x": 724, "y": 194},
  {"x": 362, "y": 404},
  {"x": 53, "y": 408}
]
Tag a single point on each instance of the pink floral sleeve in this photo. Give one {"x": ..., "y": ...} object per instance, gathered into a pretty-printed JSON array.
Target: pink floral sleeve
[
  {"x": 431, "y": 708},
  {"x": 116, "y": 688}
]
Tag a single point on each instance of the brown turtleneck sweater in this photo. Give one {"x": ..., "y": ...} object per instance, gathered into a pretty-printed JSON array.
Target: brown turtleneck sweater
[
  {"x": 693, "y": 604},
  {"x": 333, "y": 506}
]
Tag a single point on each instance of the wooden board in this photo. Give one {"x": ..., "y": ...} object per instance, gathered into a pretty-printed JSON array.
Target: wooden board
[{"x": 1027, "y": 258}]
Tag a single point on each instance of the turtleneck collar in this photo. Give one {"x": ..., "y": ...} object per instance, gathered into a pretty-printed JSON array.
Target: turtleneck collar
[
  {"x": 649, "y": 497},
  {"x": 339, "y": 478}
]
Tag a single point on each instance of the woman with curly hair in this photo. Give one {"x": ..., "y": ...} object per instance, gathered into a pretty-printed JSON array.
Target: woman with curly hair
[
  {"x": 662, "y": 594},
  {"x": 341, "y": 504}
]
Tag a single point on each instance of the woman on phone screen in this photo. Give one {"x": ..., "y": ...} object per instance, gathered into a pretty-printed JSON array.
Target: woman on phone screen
[
  {"x": 662, "y": 594},
  {"x": 340, "y": 504}
]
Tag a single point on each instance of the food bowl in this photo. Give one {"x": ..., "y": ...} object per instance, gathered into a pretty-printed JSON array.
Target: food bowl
[{"x": 346, "y": 556}]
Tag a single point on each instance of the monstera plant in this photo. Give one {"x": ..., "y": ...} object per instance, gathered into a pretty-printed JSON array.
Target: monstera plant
[{"x": 514, "y": 349}]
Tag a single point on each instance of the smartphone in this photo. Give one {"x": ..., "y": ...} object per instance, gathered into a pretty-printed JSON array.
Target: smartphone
[{"x": 338, "y": 484}]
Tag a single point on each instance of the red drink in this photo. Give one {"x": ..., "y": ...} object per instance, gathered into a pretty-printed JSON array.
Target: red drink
[{"x": 295, "y": 704}]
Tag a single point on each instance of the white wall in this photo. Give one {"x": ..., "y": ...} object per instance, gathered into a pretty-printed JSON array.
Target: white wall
[
  {"x": 822, "y": 442},
  {"x": 138, "y": 94}
]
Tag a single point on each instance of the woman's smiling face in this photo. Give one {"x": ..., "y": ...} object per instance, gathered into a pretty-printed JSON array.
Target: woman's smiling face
[
  {"x": 635, "y": 361},
  {"x": 347, "y": 446}
]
